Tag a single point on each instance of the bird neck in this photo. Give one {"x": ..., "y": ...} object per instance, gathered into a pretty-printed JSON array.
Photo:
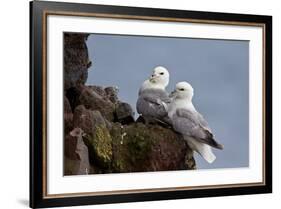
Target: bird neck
[
  {"x": 151, "y": 85},
  {"x": 183, "y": 103}
]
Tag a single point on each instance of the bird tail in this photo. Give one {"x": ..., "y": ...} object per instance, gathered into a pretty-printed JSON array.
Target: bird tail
[{"x": 203, "y": 149}]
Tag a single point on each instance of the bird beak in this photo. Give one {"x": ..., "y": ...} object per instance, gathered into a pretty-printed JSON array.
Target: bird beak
[{"x": 152, "y": 78}]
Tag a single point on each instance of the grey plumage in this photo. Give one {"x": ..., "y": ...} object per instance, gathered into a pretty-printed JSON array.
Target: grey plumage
[
  {"x": 153, "y": 103},
  {"x": 192, "y": 124}
]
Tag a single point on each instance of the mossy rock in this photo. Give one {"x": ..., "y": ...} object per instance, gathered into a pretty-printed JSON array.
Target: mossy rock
[
  {"x": 139, "y": 148},
  {"x": 131, "y": 146},
  {"x": 100, "y": 147},
  {"x": 139, "y": 145}
]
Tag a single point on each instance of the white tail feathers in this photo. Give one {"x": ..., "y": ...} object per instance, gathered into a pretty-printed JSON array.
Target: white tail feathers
[
  {"x": 203, "y": 149},
  {"x": 207, "y": 153}
]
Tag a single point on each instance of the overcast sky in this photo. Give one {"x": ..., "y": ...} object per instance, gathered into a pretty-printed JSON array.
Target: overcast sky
[{"x": 217, "y": 70}]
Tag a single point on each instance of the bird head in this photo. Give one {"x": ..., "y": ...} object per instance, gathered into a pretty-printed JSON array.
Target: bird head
[
  {"x": 160, "y": 76},
  {"x": 183, "y": 91}
]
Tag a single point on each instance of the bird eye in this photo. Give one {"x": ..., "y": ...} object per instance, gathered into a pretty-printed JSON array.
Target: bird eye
[
  {"x": 182, "y": 89},
  {"x": 161, "y": 73}
]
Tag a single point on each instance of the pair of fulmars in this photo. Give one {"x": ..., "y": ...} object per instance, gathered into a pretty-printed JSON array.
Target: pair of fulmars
[{"x": 177, "y": 110}]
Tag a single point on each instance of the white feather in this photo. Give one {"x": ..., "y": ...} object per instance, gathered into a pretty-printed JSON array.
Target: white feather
[{"x": 203, "y": 149}]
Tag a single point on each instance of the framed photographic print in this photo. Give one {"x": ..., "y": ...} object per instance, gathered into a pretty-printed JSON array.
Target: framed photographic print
[{"x": 140, "y": 104}]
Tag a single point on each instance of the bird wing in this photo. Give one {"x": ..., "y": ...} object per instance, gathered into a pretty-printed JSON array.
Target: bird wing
[
  {"x": 193, "y": 124},
  {"x": 153, "y": 103},
  {"x": 195, "y": 116},
  {"x": 159, "y": 94}
]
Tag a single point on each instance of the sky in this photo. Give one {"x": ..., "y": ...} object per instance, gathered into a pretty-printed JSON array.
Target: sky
[{"x": 218, "y": 70}]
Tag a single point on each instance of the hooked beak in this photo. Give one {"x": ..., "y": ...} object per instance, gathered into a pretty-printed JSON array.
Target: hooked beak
[{"x": 153, "y": 77}]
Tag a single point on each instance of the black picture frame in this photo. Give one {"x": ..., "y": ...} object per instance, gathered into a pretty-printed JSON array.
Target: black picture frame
[{"x": 38, "y": 12}]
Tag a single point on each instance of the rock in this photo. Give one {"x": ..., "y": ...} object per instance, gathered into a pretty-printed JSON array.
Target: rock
[
  {"x": 83, "y": 119},
  {"x": 91, "y": 100},
  {"x": 124, "y": 113},
  {"x": 88, "y": 119},
  {"x": 70, "y": 147},
  {"x": 100, "y": 147},
  {"x": 166, "y": 123},
  {"x": 67, "y": 116},
  {"x": 112, "y": 93},
  {"x": 76, "y": 154},
  {"x": 134, "y": 147},
  {"x": 138, "y": 147},
  {"x": 72, "y": 94},
  {"x": 189, "y": 160},
  {"x": 76, "y": 59},
  {"x": 97, "y": 138},
  {"x": 71, "y": 167},
  {"x": 99, "y": 90}
]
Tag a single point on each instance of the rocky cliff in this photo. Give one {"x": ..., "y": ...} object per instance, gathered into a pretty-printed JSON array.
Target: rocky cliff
[{"x": 101, "y": 135}]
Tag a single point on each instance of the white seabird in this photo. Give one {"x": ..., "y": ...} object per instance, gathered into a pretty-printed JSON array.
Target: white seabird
[
  {"x": 191, "y": 124},
  {"x": 153, "y": 99}
]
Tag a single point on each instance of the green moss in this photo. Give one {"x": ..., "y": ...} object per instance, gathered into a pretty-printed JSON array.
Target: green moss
[
  {"x": 136, "y": 147},
  {"x": 100, "y": 148},
  {"x": 131, "y": 146},
  {"x": 138, "y": 142},
  {"x": 139, "y": 145},
  {"x": 119, "y": 153}
]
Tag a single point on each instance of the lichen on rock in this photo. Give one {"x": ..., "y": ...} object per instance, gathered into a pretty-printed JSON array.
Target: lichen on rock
[{"x": 100, "y": 147}]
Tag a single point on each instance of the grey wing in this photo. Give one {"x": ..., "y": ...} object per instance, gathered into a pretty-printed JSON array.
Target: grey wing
[
  {"x": 190, "y": 123},
  {"x": 202, "y": 121},
  {"x": 164, "y": 97},
  {"x": 153, "y": 104}
]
